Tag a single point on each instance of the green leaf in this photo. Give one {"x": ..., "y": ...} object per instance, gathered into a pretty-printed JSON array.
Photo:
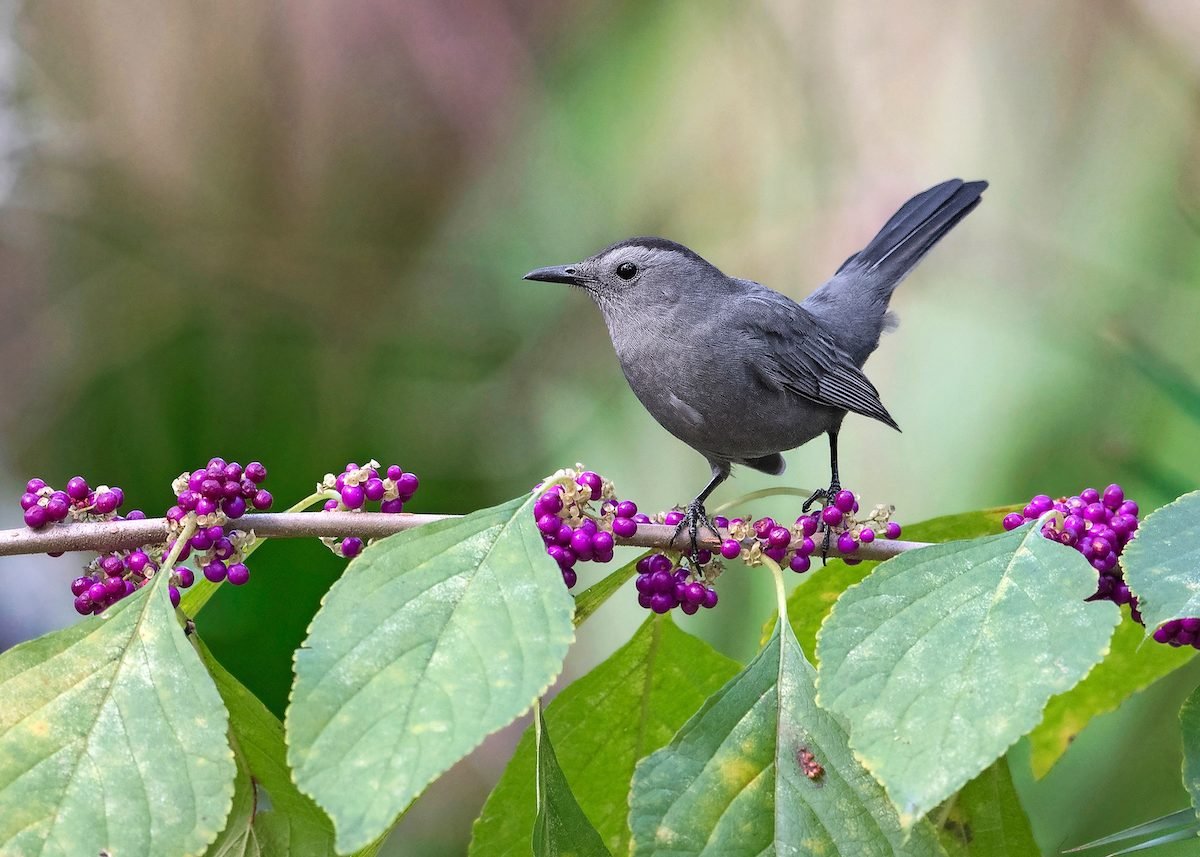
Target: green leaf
[
  {"x": 286, "y": 822},
  {"x": 604, "y": 723},
  {"x": 112, "y": 738},
  {"x": 238, "y": 839},
  {"x": 1162, "y": 565},
  {"x": 431, "y": 640},
  {"x": 1131, "y": 666},
  {"x": 986, "y": 819},
  {"x": 1189, "y": 719},
  {"x": 945, "y": 656},
  {"x": 589, "y": 601},
  {"x": 560, "y": 829},
  {"x": 811, "y": 601},
  {"x": 732, "y": 781}
]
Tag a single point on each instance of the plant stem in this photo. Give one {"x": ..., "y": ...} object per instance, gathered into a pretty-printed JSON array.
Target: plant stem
[{"x": 123, "y": 535}]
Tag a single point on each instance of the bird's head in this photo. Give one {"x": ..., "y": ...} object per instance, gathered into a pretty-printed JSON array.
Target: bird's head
[{"x": 637, "y": 273}]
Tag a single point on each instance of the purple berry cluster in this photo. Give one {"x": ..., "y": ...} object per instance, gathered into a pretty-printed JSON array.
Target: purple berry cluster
[
  {"x": 578, "y": 515},
  {"x": 662, "y": 587},
  {"x": 356, "y": 486},
  {"x": 44, "y": 504},
  {"x": 794, "y": 546},
  {"x": 1099, "y": 524},
  {"x": 220, "y": 492}
]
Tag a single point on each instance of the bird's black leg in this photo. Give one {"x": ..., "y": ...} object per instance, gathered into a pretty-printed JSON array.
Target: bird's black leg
[
  {"x": 695, "y": 517},
  {"x": 827, "y": 495}
]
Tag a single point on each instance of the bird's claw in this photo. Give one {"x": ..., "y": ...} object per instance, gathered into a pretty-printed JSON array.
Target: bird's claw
[
  {"x": 694, "y": 518},
  {"x": 825, "y": 495}
]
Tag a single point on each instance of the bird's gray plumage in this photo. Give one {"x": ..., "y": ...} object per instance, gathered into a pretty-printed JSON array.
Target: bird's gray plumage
[{"x": 740, "y": 372}]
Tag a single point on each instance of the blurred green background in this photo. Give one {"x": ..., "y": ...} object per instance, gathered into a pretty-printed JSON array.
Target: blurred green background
[{"x": 296, "y": 231}]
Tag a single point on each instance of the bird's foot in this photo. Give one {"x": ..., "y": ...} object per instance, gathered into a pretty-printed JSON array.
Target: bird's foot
[
  {"x": 825, "y": 496},
  {"x": 695, "y": 518}
]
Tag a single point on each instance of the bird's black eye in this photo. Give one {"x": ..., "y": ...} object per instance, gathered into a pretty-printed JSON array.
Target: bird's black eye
[{"x": 626, "y": 270}]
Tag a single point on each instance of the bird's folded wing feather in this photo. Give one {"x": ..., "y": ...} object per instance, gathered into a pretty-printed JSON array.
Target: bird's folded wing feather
[{"x": 800, "y": 358}]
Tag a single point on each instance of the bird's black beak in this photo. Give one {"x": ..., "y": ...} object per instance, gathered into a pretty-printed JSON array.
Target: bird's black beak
[{"x": 557, "y": 274}]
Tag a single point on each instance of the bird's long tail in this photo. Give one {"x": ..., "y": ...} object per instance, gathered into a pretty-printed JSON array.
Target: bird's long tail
[
  {"x": 913, "y": 230},
  {"x": 855, "y": 300}
]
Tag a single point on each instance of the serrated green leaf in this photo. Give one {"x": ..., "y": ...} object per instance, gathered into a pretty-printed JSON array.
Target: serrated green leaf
[
  {"x": 590, "y": 600},
  {"x": 733, "y": 780},
  {"x": 286, "y": 822},
  {"x": 604, "y": 723},
  {"x": 1131, "y": 665},
  {"x": 1162, "y": 565},
  {"x": 431, "y": 640},
  {"x": 945, "y": 656},
  {"x": 112, "y": 738},
  {"x": 811, "y": 601},
  {"x": 1189, "y": 721},
  {"x": 986, "y": 818},
  {"x": 560, "y": 828}
]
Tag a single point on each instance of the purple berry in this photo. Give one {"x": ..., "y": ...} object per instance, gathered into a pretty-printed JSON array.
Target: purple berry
[
  {"x": 703, "y": 556},
  {"x": 137, "y": 561},
  {"x": 763, "y": 527},
  {"x": 806, "y": 546},
  {"x": 661, "y": 602},
  {"x": 548, "y": 524},
  {"x": 661, "y": 581},
  {"x": 1113, "y": 496},
  {"x": 351, "y": 547},
  {"x": 731, "y": 548},
  {"x": 643, "y": 583},
  {"x": 720, "y": 522},
  {"x": 1129, "y": 507},
  {"x": 112, "y": 564},
  {"x": 866, "y": 535},
  {"x": 34, "y": 485},
  {"x": 186, "y": 577},
  {"x": 694, "y": 592},
  {"x": 36, "y": 517},
  {"x": 549, "y": 503},
  {"x": 561, "y": 555},
  {"x": 592, "y": 481},
  {"x": 602, "y": 542},
  {"x": 205, "y": 506},
  {"x": 394, "y": 472},
  {"x": 1089, "y": 495},
  {"x": 844, "y": 500},
  {"x": 775, "y": 553},
  {"x": 570, "y": 578},
  {"x": 77, "y": 488},
  {"x": 223, "y": 549},
  {"x": 80, "y": 585},
  {"x": 201, "y": 541},
  {"x": 262, "y": 500},
  {"x": 175, "y": 596},
  {"x": 831, "y": 515},
  {"x": 374, "y": 489},
  {"x": 626, "y": 509},
  {"x": 353, "y": 497},
  {"x": 215, "y": 571},
  {"x": 779, "y": 537},
  {"x": 83, "y": 605},
  {"x": 808, "y": 524},
  {"x": 391, "y": 507},
  {"x": 97, "y": 592},
  {"x": 28, "y": 501},
  {"x": 234, "y": 507},
  {"x": 238, "y": 574},
  {"x": 581, "y": 543},
  {"x": 255, "y": 472},
  {"x": 114, "y": 586},
  {"x": 1013, "y": 520},
  {"x": 588, "y": 526},
  {"x": 710, "y": 598},
  {"x": 672, "y": 518},
  {"x": 852, "y": 560},
  {"x": 624, "y": 528},
  {"x": 892, "y": 530},
  {"x": 846, "y": 543},
  {"x": 57, "y": 509},
  {"x": 407, "y": 485},
  {"x": 800, "y": 564},
  {"x": 660, "y": 562}
]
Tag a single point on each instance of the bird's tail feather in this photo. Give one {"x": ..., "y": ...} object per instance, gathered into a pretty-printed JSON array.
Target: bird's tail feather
[{"x": 914, "y": 229}]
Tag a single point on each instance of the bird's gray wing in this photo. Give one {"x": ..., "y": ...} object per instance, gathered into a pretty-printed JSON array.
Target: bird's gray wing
[{"x": 800, "y": 358}]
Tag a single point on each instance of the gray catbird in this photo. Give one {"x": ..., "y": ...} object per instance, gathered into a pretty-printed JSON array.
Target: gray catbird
[{"x": 739, "y": 372}]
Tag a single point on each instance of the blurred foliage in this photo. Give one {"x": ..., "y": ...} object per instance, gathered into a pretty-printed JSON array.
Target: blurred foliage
[{"x": 295, "y": 232}]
